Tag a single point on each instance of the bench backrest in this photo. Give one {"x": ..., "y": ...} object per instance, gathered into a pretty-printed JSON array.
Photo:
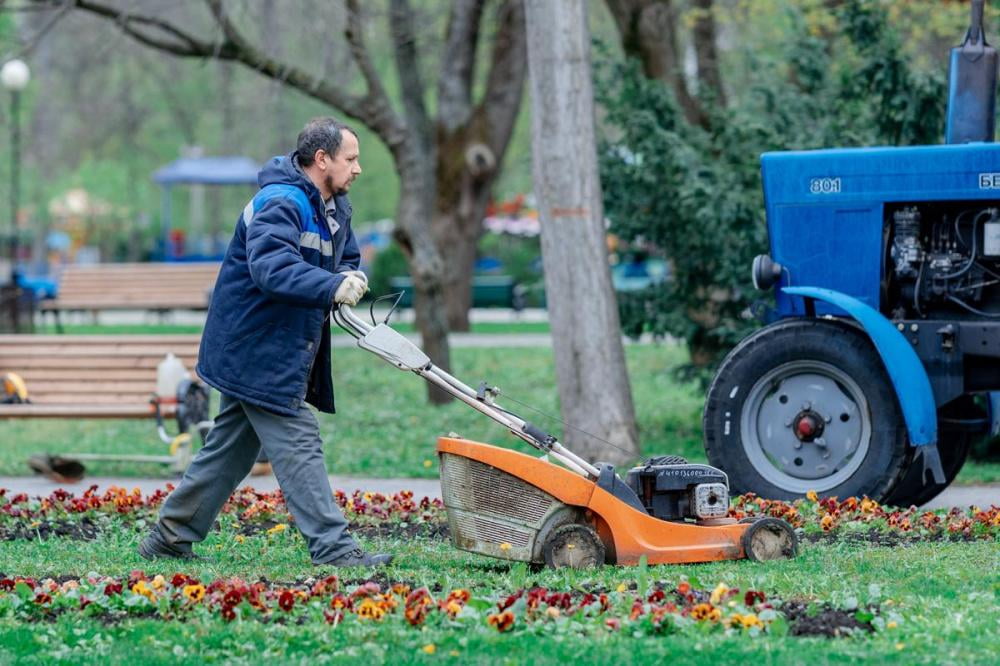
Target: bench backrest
[
  {"x": 92, "y": 369},
  {"x": 136, "y": 286}
]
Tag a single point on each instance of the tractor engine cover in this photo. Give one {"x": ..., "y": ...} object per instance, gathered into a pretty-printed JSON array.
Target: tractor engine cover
[{"x": 672, "y": 489}]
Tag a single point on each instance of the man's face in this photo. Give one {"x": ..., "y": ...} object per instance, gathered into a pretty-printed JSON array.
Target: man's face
[{"x": 340, "y": 170}]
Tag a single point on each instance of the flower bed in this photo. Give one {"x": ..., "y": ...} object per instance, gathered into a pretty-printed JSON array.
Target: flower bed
[
  {"x": 250, "y": 512},
  {"x": 662, "y": 609},
  {"x": 853, "y": 515}
]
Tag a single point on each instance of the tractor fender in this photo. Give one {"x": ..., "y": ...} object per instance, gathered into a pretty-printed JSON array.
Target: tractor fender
[{"x": 907, "y": 373}]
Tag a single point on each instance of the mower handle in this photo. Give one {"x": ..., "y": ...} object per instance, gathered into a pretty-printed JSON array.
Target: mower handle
[{"x": 386, "y": 343}]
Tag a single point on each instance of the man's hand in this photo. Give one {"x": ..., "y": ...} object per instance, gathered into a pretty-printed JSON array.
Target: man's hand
[{"x": 351, "y": 289}]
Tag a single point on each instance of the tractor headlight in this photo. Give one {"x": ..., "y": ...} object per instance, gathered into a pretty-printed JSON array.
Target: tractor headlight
[{"x": 765, "y": 272}]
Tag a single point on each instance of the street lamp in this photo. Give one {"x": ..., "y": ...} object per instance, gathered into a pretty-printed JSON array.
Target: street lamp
[{"x": 14, "y": 76}]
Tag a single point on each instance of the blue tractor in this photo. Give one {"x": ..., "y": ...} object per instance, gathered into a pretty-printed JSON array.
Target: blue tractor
[{"x": 875, "y": 373}]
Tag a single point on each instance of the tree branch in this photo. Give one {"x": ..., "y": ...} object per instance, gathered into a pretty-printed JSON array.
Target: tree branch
[
  {"x": 458, "y": 62},
  {"x": 63, "y": 9},
  {"x": 379, "y": 115},
  {"x": 404, "y": 41},
  {"x": 373, "y": 109},
  {"x": 183, "y": 44},
  {"x": 648, "y": 30},
  {"x": 505, "y": 81}
]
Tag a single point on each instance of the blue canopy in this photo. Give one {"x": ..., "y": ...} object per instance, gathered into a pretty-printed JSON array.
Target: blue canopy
[{"x": 233, "y": 170}]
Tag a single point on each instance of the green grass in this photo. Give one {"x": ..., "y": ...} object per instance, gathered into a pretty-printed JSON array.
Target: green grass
[
  {"x": 945, "y": 593},
  {"x": 384, "y": 427}
]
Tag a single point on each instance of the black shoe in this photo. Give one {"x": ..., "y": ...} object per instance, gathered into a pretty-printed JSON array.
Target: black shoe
[
  {"x": 153, "y": 547},
  {"x": 359, "y": 558}
]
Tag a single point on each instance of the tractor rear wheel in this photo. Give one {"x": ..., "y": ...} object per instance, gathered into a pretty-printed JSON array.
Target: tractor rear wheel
[
  {"x": 802, "y": 405},
  {"x": 959, "y": 424}
]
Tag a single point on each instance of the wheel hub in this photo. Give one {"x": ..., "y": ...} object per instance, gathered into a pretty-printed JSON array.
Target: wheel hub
[
  {"x": 805, "y": 426},
  {"x": 808, "y": 426}
]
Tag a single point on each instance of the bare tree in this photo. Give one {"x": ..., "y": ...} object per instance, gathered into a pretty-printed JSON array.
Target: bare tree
[
  {"x": 446, "y": 164},
  {"x": 590, "y": 360},
  {"x": 649, "y": 32}
]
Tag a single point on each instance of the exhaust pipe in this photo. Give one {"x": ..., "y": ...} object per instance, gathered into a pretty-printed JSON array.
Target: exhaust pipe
[{"x": 972, "y": 83}]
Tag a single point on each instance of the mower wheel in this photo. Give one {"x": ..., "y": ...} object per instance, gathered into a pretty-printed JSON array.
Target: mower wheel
[
  {"x": 770, "y": 539},
  {"x": 573, "y": 545}
]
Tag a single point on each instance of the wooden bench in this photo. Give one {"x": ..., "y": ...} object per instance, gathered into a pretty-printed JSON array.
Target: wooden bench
[
  {"x": 152, "y": 286},
  {"x": 96, "y": 376}
]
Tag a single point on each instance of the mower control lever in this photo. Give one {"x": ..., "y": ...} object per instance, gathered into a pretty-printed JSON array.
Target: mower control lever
[
  {"x": 486, "y": 393},
  {"x": 544, "y": 439}
]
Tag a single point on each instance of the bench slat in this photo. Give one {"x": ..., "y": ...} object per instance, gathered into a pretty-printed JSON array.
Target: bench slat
[
  {"x": 104, "y": 350},
  {"x": 130, "y": 411},
  {"x": 135, "y": 286},
  {"x": 35, "y": 375},
  {"x": 101, "y": 376},
  {"x": 163, "y": 341}
]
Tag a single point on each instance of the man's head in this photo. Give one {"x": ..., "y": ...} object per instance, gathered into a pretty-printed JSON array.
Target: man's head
[{"x": 329, "y": 155}]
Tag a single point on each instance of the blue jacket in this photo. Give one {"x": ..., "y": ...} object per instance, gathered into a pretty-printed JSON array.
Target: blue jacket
[{"x": 267, "y": 336}]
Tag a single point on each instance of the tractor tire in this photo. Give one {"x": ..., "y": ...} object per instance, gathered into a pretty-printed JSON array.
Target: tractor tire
[
  {"x": 802, "y": 405},
  {"x": 957, "y": 431}
]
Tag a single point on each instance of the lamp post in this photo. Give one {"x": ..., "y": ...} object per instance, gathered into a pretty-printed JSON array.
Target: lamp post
[{"x": 14, "y": 76}]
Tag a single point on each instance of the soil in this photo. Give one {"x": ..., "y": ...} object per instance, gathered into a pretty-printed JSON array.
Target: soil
[
  {"x": 876, "y": 537},
  {"x": 78, "y": 530},
  {"x": 805, "y": 619}
]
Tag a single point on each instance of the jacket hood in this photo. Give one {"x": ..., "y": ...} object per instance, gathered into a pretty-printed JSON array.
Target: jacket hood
[{"x": 282, "y": 170}]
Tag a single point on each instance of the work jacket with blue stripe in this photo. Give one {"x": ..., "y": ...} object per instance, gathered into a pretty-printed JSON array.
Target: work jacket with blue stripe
[{"x": 267, "y": 336}]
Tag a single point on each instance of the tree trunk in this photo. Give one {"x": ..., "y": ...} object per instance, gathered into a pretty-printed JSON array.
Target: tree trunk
[
  {"x": 707, "y": 54},
  {"x": 464, "y": 186},
  {"x": 590, "y": 359},
  {"x": 413, "y": 233},
  {"x": 471, "y": 139}
]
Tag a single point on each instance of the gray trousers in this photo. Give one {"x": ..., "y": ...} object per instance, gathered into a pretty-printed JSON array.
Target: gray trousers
[{"x": 294, "y": 447}]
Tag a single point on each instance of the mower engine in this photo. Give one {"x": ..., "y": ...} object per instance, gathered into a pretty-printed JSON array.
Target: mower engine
[{"x": 672, "y": 489}]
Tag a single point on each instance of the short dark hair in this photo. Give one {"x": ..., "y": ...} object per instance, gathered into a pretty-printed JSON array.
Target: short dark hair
[{"x": 324, "y": 133}]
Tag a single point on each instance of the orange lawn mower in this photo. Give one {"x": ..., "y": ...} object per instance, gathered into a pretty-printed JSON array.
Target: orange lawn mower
[{"x": 514, "y": 506}]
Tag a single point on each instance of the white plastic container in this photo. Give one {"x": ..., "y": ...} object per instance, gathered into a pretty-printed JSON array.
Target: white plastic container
[{"x": 170, "y": 372}]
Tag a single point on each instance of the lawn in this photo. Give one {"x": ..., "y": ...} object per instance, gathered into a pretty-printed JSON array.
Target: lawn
[
  {"x": 924, "y": 601},
  {"x": 385, "y": 428}
]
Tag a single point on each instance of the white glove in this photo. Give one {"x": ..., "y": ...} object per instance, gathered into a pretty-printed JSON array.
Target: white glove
[
  {"x": 350, "y": 290},
  {"x": 358, "y": 274}
]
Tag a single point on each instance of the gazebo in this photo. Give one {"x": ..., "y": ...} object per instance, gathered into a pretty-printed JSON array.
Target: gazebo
[{"x": 229, "y": 170}]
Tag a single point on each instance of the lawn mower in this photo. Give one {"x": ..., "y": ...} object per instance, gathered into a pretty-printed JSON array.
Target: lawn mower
[{"x": 513, "y": 506}]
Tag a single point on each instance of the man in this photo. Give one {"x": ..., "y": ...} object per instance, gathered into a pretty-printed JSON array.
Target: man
[{"x": 266, "y": 348}]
